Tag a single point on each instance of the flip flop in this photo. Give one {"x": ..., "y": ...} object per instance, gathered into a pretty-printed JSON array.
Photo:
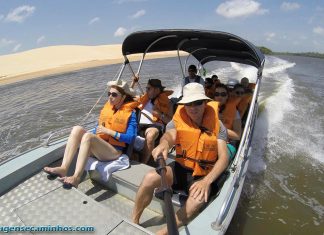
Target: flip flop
[{"x": 52, "y": 174}]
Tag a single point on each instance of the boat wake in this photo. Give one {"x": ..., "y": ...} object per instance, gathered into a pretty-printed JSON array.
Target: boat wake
[
  {"x": 280, "y": 110},
  {"x": 286, "y": 145}
]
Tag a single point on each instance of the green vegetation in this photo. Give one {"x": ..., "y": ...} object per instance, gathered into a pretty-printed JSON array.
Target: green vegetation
[{"x": 267, "y": 51}]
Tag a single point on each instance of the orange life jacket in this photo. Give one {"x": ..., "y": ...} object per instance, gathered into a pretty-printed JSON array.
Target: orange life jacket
[
  {"x": 196, "y": 147},
  {"x": 116, "y": 120},
  {"x": 244, "y": 103},
  {"x": 251, "y": 86},
  {"x": 229, "y": 113},
  {"x": 161, "y": 103}
]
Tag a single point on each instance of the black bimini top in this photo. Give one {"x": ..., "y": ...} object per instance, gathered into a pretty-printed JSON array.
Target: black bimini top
[{"x": 204, "y": 45}]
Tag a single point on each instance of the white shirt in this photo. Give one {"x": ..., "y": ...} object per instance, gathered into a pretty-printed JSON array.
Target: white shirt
[{"x": 147, "y": 110}]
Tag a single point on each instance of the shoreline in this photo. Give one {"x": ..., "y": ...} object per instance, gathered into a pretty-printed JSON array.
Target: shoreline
[
  {"x": 68, "y": 65},
  {"x": 56, "y": 71}
]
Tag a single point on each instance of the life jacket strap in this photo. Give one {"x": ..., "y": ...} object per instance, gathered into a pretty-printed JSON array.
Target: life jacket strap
[{"x": 201, "y": 163}]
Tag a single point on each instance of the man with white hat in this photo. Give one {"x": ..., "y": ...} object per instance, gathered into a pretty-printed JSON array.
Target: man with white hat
[{"x": 201, "y": 154}]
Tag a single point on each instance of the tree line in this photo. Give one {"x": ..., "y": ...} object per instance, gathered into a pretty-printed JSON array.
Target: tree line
[{"x": 268, "y": 51}]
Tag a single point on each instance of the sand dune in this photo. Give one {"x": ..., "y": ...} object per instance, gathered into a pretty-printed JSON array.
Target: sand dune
[{"x": 59, "y": 59}]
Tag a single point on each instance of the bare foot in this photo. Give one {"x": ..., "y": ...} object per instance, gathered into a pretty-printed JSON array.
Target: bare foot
[
  {"x": 55, "y": 171},
  {"x": 72, "y": 181},
  {"x": 135, "y": 221},
  {"x": 163, "y": 231}
]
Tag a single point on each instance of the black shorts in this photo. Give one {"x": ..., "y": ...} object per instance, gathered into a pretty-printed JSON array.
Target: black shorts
[
  {"x": 143, "y": 127},
  {"x": 183, "y": 179}
]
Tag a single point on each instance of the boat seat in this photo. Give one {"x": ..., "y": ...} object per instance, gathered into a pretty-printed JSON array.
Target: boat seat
[{"x": 126, "y": 182}]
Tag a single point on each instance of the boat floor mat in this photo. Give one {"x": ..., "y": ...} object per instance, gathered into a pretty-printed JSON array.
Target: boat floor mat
[
  {"x": 150, "y": 220},
  {"x": 28, "y": 191},
  {"x": 44, "y": 203}
]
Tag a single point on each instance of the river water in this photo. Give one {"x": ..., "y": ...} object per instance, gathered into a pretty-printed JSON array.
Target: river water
[{"x": 284, "y": 187}]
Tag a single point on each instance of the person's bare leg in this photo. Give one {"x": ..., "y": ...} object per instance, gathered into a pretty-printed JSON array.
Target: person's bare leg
[
  {"x": 185, "y": 213},
  {"x": 70, "y": 150},
  {"x": 145, "y": 192},
  {"x": 151, "y": 135},
  {"x": 90, "y": 143}
]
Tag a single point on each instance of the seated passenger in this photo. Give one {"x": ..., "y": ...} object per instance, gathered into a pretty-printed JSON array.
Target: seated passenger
[
  {"x": 117, "y": 127},
  {"x": 156, "y": 112},
  {"x": 215, "y": 80},
  {"x": 230, "y": 87},
  {"x": 229, "y": 115},
  {"x": 209, "y": 88},
  {"x": 193, "y": 77},
  {"x": 197, "y": 166},
  {"x": 246, "y": 98},
  {"x": 238, "y": 91},
  {"x": 249, "y": 87}
]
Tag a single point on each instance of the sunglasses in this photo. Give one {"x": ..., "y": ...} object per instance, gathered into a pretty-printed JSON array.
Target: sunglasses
[
  {"x": 222, "y": 94},
  {"x": 148, "y": 88},
  {"x": 191, "y": 71},
  {"x": 239, "y": 92},
  {"x": 113, "y": 94},
  {"x": 195, "y": 103}
]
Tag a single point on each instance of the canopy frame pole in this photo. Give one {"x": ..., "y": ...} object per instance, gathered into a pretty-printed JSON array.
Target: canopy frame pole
[
  {"x": 82, "y": 122},
  {"x": 191, "y": 53},
  {"x": 178, "y": 53},
  {"x": 131, "y": 69},
  {"x": 149, "y": 47},
  {"x": 122, "y": 68},
  {"x": 201, "y": 64}
]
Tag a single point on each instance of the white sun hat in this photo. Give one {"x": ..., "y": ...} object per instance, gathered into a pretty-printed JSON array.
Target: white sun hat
[
  {"x": 231, "y": 83},
  {"x": 123, "y": 85},
  {"x": 192, "y": 92}
]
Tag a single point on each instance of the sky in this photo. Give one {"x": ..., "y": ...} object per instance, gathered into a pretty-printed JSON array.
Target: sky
[{"x": 285, "y": 26}]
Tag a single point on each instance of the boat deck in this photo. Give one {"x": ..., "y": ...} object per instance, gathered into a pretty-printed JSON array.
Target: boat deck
[{"x": 39, "y": 201}]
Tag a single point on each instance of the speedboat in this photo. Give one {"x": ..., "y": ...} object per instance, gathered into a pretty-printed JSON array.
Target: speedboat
[{"x": 34, "y": 202}]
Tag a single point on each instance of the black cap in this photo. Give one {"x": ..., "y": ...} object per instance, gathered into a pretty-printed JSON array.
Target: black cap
[
  {"x": 156, "y": 83},
  {"x": 214, "y": 77},
  {"x": 192, "y": 67}
]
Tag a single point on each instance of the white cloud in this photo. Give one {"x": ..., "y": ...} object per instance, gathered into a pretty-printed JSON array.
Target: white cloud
[
  {"x": 127, "y": 1},
  {"x": 289, "y": 6},
  {"x": 94, "y": 20},
  {"x": 138, "y": 14},
  {"x": 16, "y": 48},
  {"x": 240, "y": 8},
  {"x": 120, "y": 32},
  {"x": 19, "y": 14},
  {"x": 270, "y": 36},
  {"x": 5, "y": 42},
  {"x": 318, "y": 30},
  {"x": 40, "y": 39}
]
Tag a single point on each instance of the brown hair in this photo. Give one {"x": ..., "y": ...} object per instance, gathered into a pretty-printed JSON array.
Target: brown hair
[
  {"x": 221, "y": 85},
  {"x": 128, "y": 98}
]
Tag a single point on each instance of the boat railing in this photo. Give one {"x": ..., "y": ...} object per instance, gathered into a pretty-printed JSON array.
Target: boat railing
[
  {"x": 87, "y": 125},
  {"x": 65, "y": 131},
  {"x": 240, "y": 160}
]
